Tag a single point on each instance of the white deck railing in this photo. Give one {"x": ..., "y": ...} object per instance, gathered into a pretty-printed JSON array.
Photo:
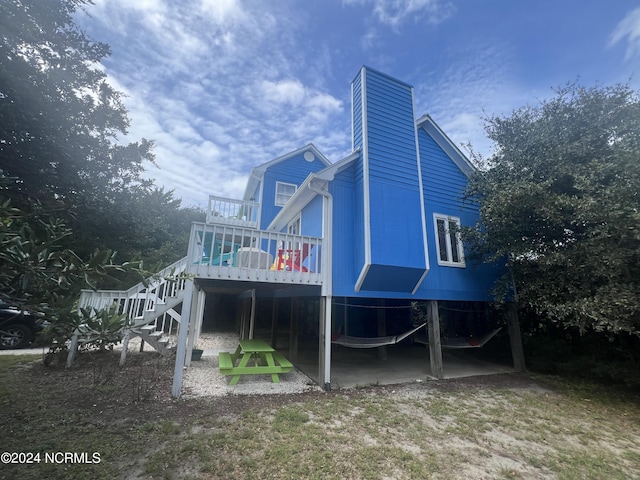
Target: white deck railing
[
  {"x": 236, "y": 253},
  {"x": 141, "y": 302},
  {"x": 227, "y": 211}
]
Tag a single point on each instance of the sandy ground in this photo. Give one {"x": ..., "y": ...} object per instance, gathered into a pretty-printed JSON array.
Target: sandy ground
[{"x": 203, "y": 378}]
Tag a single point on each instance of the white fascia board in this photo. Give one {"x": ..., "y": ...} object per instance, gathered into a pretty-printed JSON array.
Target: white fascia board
[
  {"x": 252, "y": 184},
  {"x": 365, "y": 183},
  {"x": 330, "y": 172},
  {"x": 422, "y": 206},
  {"x": 294, "y": 206},
  {"x": 450, "y": 148},
  {"x": 257, "y": 173},
  {"x": 262, "y": 168}
]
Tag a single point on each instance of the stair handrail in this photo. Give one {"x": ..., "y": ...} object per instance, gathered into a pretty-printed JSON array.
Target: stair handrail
[
  {"x": 178, "y": 267},
  {"x": 146, "y": 286}
]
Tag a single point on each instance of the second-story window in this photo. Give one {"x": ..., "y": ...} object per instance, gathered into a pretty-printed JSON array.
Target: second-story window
[{"x": 284, "y": 191}]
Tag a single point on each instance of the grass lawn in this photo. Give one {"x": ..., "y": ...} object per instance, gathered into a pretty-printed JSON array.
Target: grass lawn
[{"x": 504, "y": 427}]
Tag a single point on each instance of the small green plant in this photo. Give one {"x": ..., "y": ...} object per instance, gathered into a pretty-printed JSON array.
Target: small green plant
[{"x": 102, "y": 328}]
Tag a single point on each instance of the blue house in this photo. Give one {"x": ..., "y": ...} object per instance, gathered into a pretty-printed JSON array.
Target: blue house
[{"x": 378, "y": 228}]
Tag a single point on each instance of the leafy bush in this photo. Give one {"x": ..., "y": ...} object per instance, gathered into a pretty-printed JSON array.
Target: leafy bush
[{"x": 102, "y": 329}]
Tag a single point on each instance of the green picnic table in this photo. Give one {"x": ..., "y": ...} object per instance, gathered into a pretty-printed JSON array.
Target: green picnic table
[{"x": 256, "y": 357}]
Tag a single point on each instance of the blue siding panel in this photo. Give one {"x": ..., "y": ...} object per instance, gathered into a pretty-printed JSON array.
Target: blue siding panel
[
  {"x": 311, "y": 218},
  {"x": 293, "y": 170},
  {"x": 443, "y": 185},
  {"x": 395, "y": 223},
  {"x": 443, "y": 188},
  {"x": 347, "y": 232},
  {"x": 396, "y": 237}
]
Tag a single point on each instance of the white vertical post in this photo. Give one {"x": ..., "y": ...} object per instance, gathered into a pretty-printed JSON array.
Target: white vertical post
[
  {"x": 197, "y": 307},
  {"x": 327, "y": 286},
  {"x": 324, "y": 367},
  {"x": 125, "y": 346},
  {"x": 183, "y": 332},
  {"x": 202, "y": 297}
]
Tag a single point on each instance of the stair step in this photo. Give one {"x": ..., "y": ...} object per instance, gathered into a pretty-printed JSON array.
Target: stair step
[{"x": 148, "y": 328}]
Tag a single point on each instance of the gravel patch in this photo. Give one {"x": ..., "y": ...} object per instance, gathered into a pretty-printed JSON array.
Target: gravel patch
[{"x": 203, "y": 378}]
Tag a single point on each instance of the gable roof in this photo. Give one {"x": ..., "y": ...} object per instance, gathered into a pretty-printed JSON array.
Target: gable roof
[
  {"x": 445, "y": 143},
  {"x": 257, "y": 173},
  {"x": 304, "y": 195}
]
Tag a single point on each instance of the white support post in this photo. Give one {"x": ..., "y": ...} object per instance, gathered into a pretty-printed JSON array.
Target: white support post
[
  {"x": 324, "y": 367},
  {"x": 183, "y": 333},
  {"x": 73, "y": 349},
  {"x": 202, "y": 297},
  {"x": 196, "y": 324},
  {"x": 125, "y": 346}
]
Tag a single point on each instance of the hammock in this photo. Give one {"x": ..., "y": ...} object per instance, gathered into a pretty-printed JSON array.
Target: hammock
[
  {"x": 372, "y": 342},
  {"x": 469, "y": 342}
]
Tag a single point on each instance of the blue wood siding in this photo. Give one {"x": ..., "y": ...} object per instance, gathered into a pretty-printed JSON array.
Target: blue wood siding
[
  {"x": 347, "y": 250},
  {"x": 311, "y": 218},
  {"x": 357, "y": 247},
  {"x": 395, "y": 222},
  {"x": 443, "y": 185},
  {"x": 293, "y": 170}
]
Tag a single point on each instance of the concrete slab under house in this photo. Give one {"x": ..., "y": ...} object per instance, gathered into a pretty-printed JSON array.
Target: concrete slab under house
[{"x": 354, "y": 270}]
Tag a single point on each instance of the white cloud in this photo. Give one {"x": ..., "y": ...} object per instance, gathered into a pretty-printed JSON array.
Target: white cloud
[
  {"x": 395, "y": 12},
  {"x": 628, "y": 27},
  {"x": 220, "y": 88},
  {"x": 287, "y": 91},
  {"x": 459, "y": 95},
  {"x": 222, "y": 10}
]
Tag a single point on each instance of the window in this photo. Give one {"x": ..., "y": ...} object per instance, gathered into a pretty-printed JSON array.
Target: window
[
  {"x": 450, "y": 250},
  {"x": 284, "y": 191},
  {"x": 294, "y": 227}
]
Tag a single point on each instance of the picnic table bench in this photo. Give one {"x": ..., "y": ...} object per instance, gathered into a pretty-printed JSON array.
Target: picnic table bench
[{"x": 256, "y": 358}]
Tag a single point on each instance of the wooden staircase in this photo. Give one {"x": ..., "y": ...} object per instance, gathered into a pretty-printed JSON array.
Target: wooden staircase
[{"x": 150, "y": 308}]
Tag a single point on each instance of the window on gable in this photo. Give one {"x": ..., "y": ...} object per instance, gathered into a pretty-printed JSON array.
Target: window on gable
[
  {"x": 450, "y": 251},
  {"x": 284, "y": 191}
]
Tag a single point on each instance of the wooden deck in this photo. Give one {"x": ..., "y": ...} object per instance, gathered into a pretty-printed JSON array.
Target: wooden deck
[{"x": 224, "y": 252}]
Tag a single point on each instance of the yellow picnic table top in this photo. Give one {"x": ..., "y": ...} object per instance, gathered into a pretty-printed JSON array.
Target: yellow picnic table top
[{"x": 257, "y": 357}]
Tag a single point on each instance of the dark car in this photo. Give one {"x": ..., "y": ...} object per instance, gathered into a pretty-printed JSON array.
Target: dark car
[{"x": 17, "y": 329}]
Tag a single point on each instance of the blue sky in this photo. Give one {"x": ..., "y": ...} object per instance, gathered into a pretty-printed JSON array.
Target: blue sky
[{"x": 225, "y": 85}]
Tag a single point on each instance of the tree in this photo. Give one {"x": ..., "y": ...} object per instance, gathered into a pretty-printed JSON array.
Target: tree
[
  {"x": 39, "y": 275},
  {"x": 63, "y": 171},
  {"x": 59, "y": 118},
  {"x": 560, "y": 205}
]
